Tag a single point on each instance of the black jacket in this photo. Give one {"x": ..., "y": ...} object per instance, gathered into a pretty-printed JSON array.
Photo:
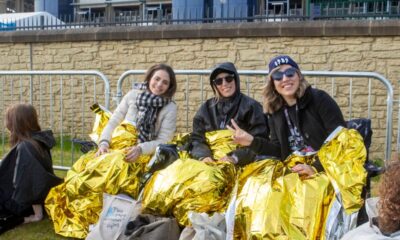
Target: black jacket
[
  {"x": 216, "y": 114},
  {"x": 318, "y": 115},
  {"x": 26, "y": 174}
]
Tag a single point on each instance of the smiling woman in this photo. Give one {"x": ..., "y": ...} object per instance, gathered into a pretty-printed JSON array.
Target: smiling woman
[
  {"x": 300, "y": 117},
  {"x": 152, "y": 110},
  {"x": 145, "y": 118},
  {"x": 159, "y": 83},
  {"x": 217, "y": 112},
  {"x": 225, "y": 84}
]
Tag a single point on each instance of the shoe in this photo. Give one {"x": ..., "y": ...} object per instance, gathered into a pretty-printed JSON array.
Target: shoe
[{"x": 372, "y": 169}]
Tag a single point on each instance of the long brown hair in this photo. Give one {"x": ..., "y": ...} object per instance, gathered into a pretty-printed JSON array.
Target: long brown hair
[
  {"x": 273, "y": 101},
  {"x": 389, "y": 202},
  {"x": 22, "y": 121},
  {"x": 172, "y": 79}
]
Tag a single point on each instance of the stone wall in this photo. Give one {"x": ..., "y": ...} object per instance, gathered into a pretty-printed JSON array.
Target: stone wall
[{"x": 338, "y": 46}]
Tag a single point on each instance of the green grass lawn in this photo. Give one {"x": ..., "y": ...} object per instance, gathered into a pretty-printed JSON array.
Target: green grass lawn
[{"x": 42, "y": 230}]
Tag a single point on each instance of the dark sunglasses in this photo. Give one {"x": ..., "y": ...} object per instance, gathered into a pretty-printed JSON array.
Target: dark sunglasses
[
  {"x": 228, "y": 79},
  {"x": 278, "y": 76}
]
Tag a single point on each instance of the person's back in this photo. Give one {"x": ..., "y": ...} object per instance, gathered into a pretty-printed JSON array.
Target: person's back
[{"x": 26, "y": 171}]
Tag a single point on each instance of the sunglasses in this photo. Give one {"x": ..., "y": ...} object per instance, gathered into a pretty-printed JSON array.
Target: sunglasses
[
  {"x": 228, "y": 79},
  {"x": 278, "y": 76}
]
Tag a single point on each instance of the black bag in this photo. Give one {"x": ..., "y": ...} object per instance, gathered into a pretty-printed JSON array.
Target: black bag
[
  {"x": 164, "y": 156},
  {"x": 86, "y": 146},
  {"x": 147, "y": 226}
]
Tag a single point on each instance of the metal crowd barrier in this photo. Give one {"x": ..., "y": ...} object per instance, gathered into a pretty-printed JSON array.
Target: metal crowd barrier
[
  {"x": 62, "y": 100},
  {"x": 371, "y": 91}
]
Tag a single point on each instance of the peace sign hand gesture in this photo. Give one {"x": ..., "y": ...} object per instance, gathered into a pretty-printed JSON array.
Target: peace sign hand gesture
[{"x": 240, "y": 136}]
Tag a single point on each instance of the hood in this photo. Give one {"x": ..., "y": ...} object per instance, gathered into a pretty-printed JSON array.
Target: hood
[
  {"x": 45, "y": 137},
  {"x": 225, "y": 67}
]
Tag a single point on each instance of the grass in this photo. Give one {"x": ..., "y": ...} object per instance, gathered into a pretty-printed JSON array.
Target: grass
[
  {"x": 375, "y": 180},
  {"x": 42, "y": 230}
]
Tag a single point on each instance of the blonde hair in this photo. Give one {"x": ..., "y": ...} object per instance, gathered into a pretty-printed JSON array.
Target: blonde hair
[{"x": 272, "y": 100}]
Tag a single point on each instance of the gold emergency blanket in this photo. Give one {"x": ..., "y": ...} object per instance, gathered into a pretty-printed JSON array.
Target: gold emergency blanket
[
  {"x": 191, "y": 185},
  {"x": 220, "y": 143},
  {"x": 343, "y": 159},
  {"x": 273, "y": 203},
  {"x": 77, "y": 203}
]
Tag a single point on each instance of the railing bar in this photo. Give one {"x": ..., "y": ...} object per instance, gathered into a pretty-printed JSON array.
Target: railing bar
[
  {"x": 20, "y": 89},
  {"x": 202, "y": 88},
  {"x": 51, "y": 103},
  {"x": 187, "y": 103},
  {"x": 350, "y": 97},
  {"x": 30, "y": 89},
  {"x": 40, "y": 99},
  {"x": 369, "y": 97},
  {"x": 398, "y": 125},
  {"x": 83, "y": 105},
  {"x": 61, "y": 120},
  {"x": 247, "y": 86},
  {"x": 71, "y": 80},
  {"x": 12, "y": 91},
  {"x": 94, "y": 90},
  {"x": 3, "y": 135}
]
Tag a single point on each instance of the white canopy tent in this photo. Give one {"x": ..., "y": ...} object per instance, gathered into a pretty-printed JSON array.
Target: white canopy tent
[{"x": 29, "y": 20}]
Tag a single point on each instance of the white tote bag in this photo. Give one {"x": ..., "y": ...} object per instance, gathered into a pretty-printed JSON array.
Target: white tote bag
[{"x": 117, "y": 210}]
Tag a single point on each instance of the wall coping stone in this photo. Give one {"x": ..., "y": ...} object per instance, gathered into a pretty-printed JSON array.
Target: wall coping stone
[{"x": 335, "y": 28}]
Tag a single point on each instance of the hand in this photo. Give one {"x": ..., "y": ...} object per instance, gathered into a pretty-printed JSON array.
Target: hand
[
  {"x": 228, "y": 159},
  {"x": 240, "y": 136},
  {"x": 133, "y": 154},
  {"x": 103, "y": 148},
  {"x": 207, "y": 160},
  {"x": 304, "y": 170}
]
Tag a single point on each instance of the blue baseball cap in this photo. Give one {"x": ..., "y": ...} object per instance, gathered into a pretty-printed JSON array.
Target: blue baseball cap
[{"x": 280, "y": 60}]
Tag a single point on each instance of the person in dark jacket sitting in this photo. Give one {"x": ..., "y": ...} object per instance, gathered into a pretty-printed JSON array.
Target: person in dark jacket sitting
[
  {"x": 300, "y": 117},
  {"x": 26, "y": 172},
  {"x": 217, "y": 112}
]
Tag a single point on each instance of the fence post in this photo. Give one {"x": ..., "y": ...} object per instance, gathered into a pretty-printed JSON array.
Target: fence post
[{"x": 42, "y": 22}]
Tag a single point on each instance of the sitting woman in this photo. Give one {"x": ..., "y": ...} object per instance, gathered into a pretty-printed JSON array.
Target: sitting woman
[
  {"x": 217, "y": 112},
  {"x": 150, "y": 116},
  {"x": 152, "y": 110},
  {"x": 300, "y": 117},
  {"x": 26, "y": 172},
  {"x": 189, "y": 185}
]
